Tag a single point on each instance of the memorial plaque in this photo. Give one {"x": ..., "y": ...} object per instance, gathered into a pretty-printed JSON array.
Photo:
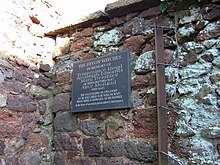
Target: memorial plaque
[{"x": 102, "y": 83}]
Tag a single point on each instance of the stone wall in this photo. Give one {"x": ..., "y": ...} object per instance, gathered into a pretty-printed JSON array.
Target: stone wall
[
  {"x": 26, "y": 82},
  {"x": 191, "y": 40},
  {"x": 36, "y": 125}
]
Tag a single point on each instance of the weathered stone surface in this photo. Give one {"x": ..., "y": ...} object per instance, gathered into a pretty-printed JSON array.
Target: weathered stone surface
[
  {"x": 27, "y": 119},
  {"x": 205, "y": 96},
  {"x": 30, "y": 157},
  {"x": 37, "y": 142},
  {"x": 195, "y": 146},
  {"x": 200, "y": 24},
  {"x": 37, "y": 92},
  {"x": 62, "y": 45},
  {"x": 92, "y": 147},
  {"x": 113, "y": 148},
  {"x": 6, "y": 74},
  {"x": 140, "y": 151},
  {"x": 92, "y": 127},
  {"x": 5, "y": 64},
  {"x": 185, "y": 32},
  {"x": 144, "y": 122},
  {"x": 134, "y": 27},
  {"x": 168, "y": 55},
  {"x": 87, "y": 32},
  {"x": 147, "y": 47},
  {"x": 48, "y": 75},
  {"x": 145, "y": 63},
  {"x": 150, "y": 98},
  {"x": 218, "y": 93},
  {"x": 44, "y": 81},
  {"x": 3, "y": 100},
  {"x": 64, "y": 142},
  {"x": 171, "y": 74},
  {"x": 214, "y": 51},
  {"x": 83, "y": 116},
  {"x": 118, "y": 21},
  {"x": 211, "y": 132},
  {"x": 101, "y": 115},
  {"x": 119, "y": 8},
  {"x": 110, "y": 38},
  {"x": 62, "y": 102},
  {"x": 48, "y": 120},
  {"x": 107, "y": 50},
  {"x": 71, "y": 154},
  {"x": 114, "y": 128},
  {"x": 184, "y": 130},
  {"x": 81, "y": 44},
  {"x": 188, "y": 58},
  {"x": 87, "y": 21},
  {"x": 63, "y": 77},
  {"x": 21, "y": 104},
  {"x": 195, "y": 70},
  {"x": 22, "y": 62},
  {"x": 134, "y": 44},
  {"x": 169, "y": 42},
  {"x": 148, "y": 31},
  {"x": 137, "y": 163},
  {"x": 193, "y": 47},
  {"x": 191, "y": 16},
  {"x": 138, "y": 99},
  {"x": 65, "y": 122},
  {"x": 210, "y": 54},
  {"x": 215, "y": 79},
  {"x": 209, "y": 43},
  {"x": 44, "y": 67},
  {"x": 212, "y": 30},
  {"x": 27, "y": 73},
  {"x": 14, "y": 87},
  {"x": 212, "y": 13},
  {"x": 64, "y": 65},
  {"x": 140, "y": 81},
  {"x": 207, "y": 57},
  {"x": 89, "y": 55},
  {"x": 2, "y": 147},
  {"x": 81, "y": 161},
  {"x": 18, "y": 76},
  {"x": 62, "y": 88},
  {"x": 25, "y": 133},
  {"x": 189, "y": 86},
  {"x": 13, "y": 146},
  {"x": 42, "y": 107},
  {"x": 199, "y": 150},
  {"x": 59, "y": 158},
  {"x": 110, "y": 161},
  {"x": 36, "y": 130},
  {"x": 216, "y": 61},
  {"x": 152, "y": 12},
  {"x": 218, "y": 44}
]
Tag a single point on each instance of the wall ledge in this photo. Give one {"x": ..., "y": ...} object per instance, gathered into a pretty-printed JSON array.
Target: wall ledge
[{"x": 115, "y": 9}]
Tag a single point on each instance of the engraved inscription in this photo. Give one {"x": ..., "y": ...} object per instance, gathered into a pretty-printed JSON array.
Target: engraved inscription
[{"x": 102, "y": 83}]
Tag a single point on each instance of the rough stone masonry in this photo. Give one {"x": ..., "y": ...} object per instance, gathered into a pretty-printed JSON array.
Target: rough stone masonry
[
  {"x": 26, "y": 81},
  {"x": 191, "y": 39},
  {"x": 36, "y": 125}
]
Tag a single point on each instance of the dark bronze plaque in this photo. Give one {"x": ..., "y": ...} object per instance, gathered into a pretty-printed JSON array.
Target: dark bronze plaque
[{"x": 102, "y": 83}]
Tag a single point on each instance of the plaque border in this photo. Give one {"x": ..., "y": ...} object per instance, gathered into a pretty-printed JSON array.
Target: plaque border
[{"x": 128, "y": 72}]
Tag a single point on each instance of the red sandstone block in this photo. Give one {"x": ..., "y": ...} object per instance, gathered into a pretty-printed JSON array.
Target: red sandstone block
[
  {"x": 63, "y": 77},
  {"x": 10, "y": 125}
]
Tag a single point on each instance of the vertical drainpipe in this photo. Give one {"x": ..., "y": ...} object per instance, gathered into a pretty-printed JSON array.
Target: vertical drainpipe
[{"x": 161, "y": 96}]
